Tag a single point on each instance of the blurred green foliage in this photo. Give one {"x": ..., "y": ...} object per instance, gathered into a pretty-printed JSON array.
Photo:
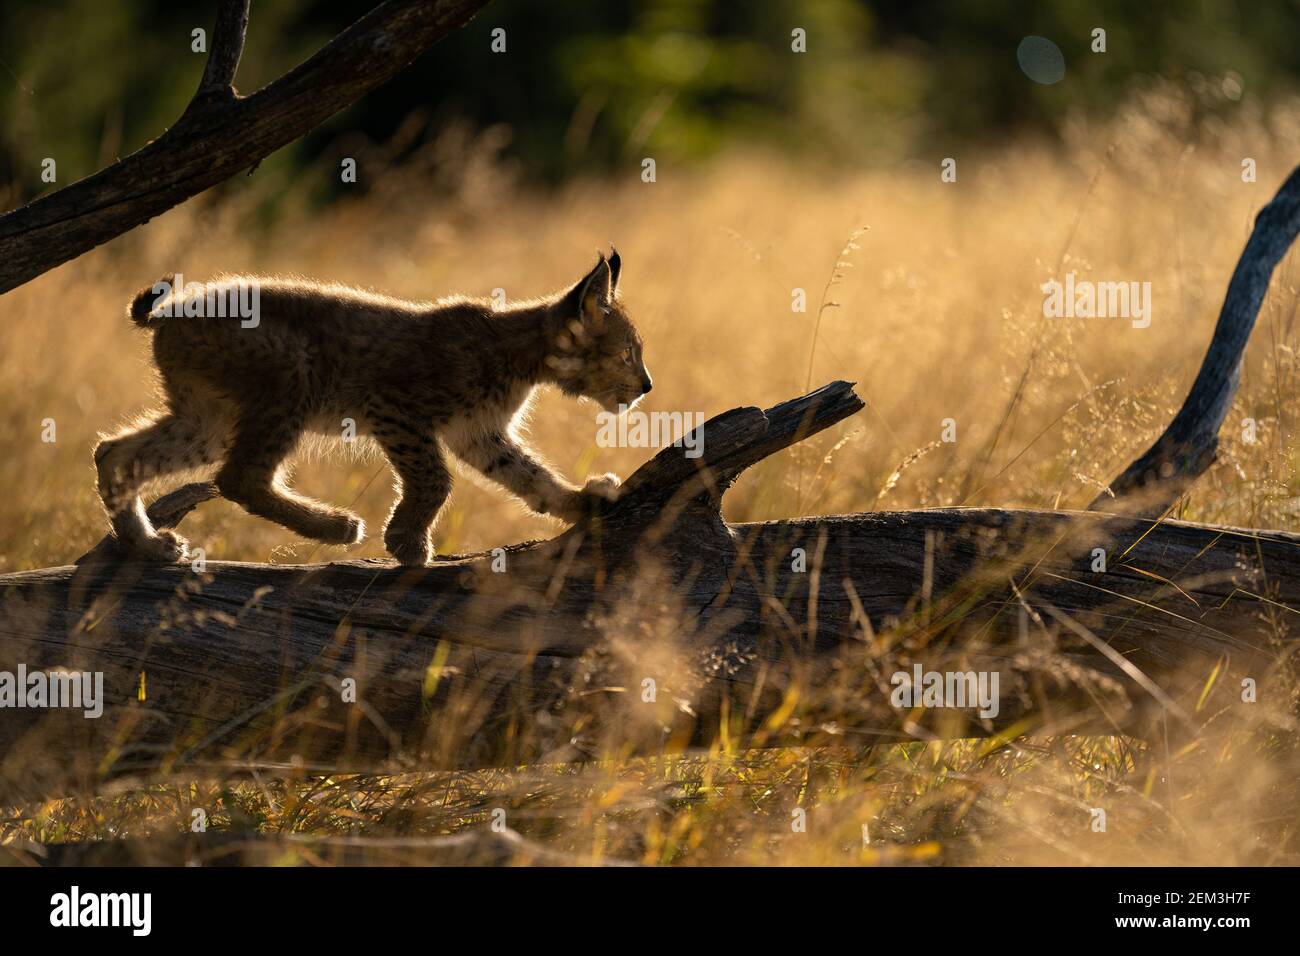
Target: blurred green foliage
[{"x": 591, "y": 84}]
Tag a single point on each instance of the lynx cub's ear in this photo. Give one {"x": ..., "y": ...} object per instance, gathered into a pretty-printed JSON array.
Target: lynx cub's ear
[
  {"x": 615, "y": 267},
  {"x": 591, "y": 296}
]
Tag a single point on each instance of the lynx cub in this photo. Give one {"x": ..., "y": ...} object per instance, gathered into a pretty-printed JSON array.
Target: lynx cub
[{"x": 421, "y": 379}]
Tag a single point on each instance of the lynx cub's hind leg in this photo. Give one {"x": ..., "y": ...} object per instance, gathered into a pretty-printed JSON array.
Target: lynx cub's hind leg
[
  {"x": 266, "y": 433},
  {"x": 423, "y": 484},
  {"x": 130, "y": 460}
]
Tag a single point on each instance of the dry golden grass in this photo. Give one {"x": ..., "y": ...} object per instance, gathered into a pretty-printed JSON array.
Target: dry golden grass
[{"x": 938, "y": 317}]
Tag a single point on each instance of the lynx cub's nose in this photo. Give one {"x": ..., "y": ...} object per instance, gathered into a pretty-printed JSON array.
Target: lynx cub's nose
[{"x": 647, "y": 385}]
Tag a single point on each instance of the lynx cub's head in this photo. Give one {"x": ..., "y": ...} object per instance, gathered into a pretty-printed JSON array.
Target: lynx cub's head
[{"x": 596, "y": 351}]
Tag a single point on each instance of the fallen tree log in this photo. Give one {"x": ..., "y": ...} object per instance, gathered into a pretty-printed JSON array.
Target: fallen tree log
[{"x": 654, "y": 625}]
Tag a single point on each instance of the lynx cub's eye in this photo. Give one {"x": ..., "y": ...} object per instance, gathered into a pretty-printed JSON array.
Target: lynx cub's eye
[{"x": 627, "y": 356}]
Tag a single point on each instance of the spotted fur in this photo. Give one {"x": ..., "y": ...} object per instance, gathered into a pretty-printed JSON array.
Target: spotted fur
[{"x": 419, "y": 379}]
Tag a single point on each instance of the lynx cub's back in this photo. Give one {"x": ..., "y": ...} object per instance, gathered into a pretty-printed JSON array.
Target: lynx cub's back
[{"x": 421, "y": 379}]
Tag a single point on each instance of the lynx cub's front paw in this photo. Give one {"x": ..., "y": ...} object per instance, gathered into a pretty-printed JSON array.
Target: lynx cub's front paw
[
  {"x": 607, "y": 486},
  {"x": 586, "y": 500}
]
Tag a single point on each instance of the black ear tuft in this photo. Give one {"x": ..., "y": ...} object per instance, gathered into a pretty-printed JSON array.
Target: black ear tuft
[
  {"x": 600, "y": 273},
  {"x": 615, "y": 267}
]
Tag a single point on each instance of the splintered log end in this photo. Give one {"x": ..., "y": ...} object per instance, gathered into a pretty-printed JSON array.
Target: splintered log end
[{"x": 729, "y": 443}]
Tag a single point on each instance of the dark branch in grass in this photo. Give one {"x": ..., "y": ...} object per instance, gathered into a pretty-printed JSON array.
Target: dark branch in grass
[{"x": 1153, "y": 483}]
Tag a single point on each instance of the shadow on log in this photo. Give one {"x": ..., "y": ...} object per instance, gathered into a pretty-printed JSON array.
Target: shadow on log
[{"x": 653, "y": 625}]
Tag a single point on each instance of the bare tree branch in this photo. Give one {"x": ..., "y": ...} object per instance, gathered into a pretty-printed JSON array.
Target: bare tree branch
[
  {"x": 227, "y": 47},
  {"x": 221, "y": 134},
  {"x": 1152, "y": 483}
]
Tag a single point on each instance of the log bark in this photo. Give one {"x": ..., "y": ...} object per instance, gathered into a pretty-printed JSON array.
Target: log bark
[
  {"x": 222, "y": 133},
  {"x": 547, "y": 656}
]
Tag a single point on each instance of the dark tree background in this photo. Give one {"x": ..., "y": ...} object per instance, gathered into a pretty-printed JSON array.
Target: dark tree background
[{"x": 585, "y": 84}]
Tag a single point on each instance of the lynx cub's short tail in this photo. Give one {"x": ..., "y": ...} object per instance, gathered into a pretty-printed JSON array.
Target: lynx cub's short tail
[
  {"x": 141, "y": 310},
  {"x": 420, "y": 378}
]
